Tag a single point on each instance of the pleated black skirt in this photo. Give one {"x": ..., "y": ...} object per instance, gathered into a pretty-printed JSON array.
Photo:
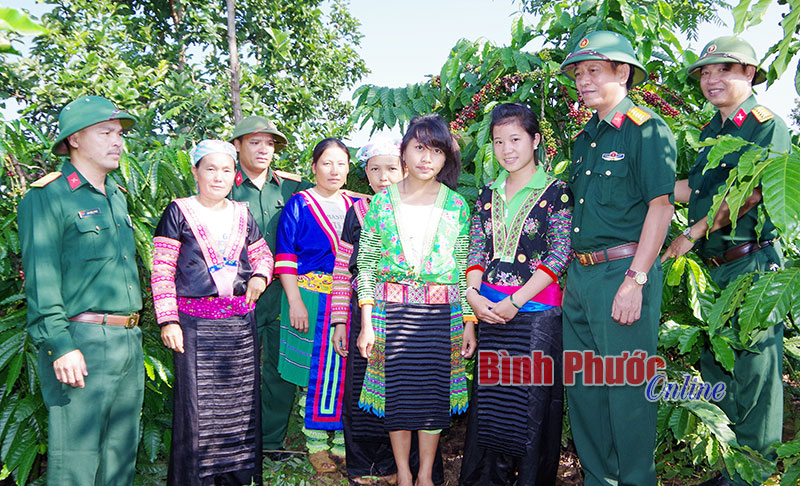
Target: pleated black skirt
[
  {"x": 417, "y": 366},
  {"x": 216, "y": 425},
  {"x": 514, "y": 432}
]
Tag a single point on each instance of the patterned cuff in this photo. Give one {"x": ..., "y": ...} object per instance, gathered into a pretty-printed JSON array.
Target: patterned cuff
[
  {"x": 363, "y": 302},
  {"x": 548, "y": 271},
  {"x": 476, "y": 267},
  {"x": 286, "y": 263},
  {"x": 261, "y": 259}
]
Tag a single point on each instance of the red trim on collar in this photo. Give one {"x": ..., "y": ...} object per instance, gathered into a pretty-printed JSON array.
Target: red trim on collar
[
  {"x": 74, "y": 180},
  {"x": 619, "y": 117},
  {"x": 740, "y": 117},
  {"x": 239, "y": 179}
]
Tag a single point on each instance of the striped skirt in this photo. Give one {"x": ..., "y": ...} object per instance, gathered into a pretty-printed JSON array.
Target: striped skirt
[{"x": 216, "y": 434}]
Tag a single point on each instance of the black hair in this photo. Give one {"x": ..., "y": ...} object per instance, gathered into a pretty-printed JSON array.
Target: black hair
[
  {"x": 519, "y": 113},
  {"x": 631, "y": 73},
  {"x": 325, "y": 145},
  {"x": 432, "y": 131}
]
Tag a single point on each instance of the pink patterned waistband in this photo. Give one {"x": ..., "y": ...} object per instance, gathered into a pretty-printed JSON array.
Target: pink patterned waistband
[
  {"x": 214, "y": 307},
  {"x": 551, "y": 295}
]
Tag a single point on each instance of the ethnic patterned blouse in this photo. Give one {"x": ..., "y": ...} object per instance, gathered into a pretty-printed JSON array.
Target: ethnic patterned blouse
[{"x": 510, "y": 248}]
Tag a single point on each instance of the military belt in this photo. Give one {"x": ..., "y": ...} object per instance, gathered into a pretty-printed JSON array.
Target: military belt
[
  {"x": 737, "y": 252},
  {"x": 107, "y": 319},
  {"x": 610, "y": 254}
]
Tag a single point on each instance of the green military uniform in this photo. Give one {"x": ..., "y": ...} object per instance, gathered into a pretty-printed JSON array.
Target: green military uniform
[
  {"x": 265, "y": 204},
  {"x": 79, "y": 255},
  {"x": 620, "y": 164},
  {"x": 754, "y": 393}
]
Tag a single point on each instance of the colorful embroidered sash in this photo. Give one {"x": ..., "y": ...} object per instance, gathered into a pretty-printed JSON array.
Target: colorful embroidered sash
[
  {"x": 224, "y": 265},
  {"x": 214, "y": 307}
]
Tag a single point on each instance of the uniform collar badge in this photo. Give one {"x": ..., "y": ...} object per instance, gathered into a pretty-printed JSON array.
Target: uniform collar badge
[
  {"x": 619, "y": 117},
  {"x": 238, "y": 178},
  {"x": 739, "y": 118},
  {"x": 74, "y": 180},
  {"x": 613, "y": 156}
]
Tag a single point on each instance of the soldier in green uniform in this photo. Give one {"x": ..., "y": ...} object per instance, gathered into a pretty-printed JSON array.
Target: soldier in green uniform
[
  {"x": 82, "y": 287},
  {"x": 622, "y": 177},
  {"x": 266, "y": 191},
  {"x": 727, "y": 70}
]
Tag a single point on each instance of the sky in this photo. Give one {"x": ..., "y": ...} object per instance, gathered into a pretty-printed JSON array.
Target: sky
[{"x": 406, "y": 41}]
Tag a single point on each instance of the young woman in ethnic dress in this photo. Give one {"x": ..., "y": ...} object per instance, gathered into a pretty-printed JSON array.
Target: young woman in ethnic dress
[
  {"x": 307, "y": 242},
  {"x": 519, "y": 249},
  {"x": 417, "y": 329},
  {"x": 210, "y": 265}
]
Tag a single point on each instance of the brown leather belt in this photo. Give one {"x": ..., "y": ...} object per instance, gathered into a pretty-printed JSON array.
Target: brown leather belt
[
  {"x": 610, "y": 254},
  {"x": 736, "y": 252},
  {"x": 107, "y": 319}
]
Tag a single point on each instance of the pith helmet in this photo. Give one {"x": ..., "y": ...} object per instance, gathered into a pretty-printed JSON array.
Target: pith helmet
[
  {"x": 258, "y": 124},
  {"x": 725, "y": 50},
  {"x": 85, "y": 112},
  {"x": 604, "y": 45}
]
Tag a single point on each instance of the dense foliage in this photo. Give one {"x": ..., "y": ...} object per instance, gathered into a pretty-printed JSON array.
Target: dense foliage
[{"x": 166, "y": 61}]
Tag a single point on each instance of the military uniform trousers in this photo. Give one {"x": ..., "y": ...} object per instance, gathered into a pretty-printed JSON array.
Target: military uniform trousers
[
  {"x": 94, "y": 431},
  {"x": 614, "y": 427},
  {"x": 754, "y": 393},
  {"x": 277, "y": 394}
]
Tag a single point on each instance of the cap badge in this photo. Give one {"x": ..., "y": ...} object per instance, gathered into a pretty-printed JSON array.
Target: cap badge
[
  {"x": 583, "y": 43},
  {"x": 711, "y": 48}
]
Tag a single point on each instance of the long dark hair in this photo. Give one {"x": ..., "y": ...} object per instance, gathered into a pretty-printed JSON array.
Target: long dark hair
[
  {"x": 519, "y": 113},
  {"x": 432, "y": 131},
  {"x": 325, "y": 145}
]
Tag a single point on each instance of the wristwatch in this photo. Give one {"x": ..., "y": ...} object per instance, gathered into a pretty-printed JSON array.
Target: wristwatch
[
  {"x": 638, "y": 277},
  {"x": 687, "y": 233}
]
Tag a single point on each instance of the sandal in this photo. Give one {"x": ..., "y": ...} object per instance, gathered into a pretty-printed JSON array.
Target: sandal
[
  {"x": 322, "y": 462},
  {"x": 366, "y": 480},
  {"x": 390, "y": 479}
]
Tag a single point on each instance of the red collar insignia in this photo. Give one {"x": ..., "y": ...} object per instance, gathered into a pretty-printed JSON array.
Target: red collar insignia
[
  {"x": 619, "y": 117},
  {"x": 73, "y": 180},
  {"x": 238, "y": 180},
  {"x": 739, "y": 118}
]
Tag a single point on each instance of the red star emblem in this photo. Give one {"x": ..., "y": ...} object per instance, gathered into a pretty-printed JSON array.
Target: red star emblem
[
  {"x": 73, "y": 180},
  {"x": 738, "y": 119},
  {"x": 238, "y": 178},
  {"x": 618, "y": 119}
]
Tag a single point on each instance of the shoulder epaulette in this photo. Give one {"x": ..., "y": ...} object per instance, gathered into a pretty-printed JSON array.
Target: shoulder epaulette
[
  {"x": 47, "y": 179},
  {"x": 287, "y": 175},
  {"x": 762, "y": 114},
  {"x": 122, "y": 189},
  {"x": 638, "y": 115}
]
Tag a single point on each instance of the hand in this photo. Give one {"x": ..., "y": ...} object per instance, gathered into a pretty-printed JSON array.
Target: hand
[
  {"x": 255, "y": 287},
  {"x": 627, "y": 306},
  {"x": 505, "y": 309},
  {"x": 298, "y": 316},
  {"x": 483, "y": 308},
  {"x": 679, "y": 247},
  {"x": 366, "y": 338},
  {"x": 340, "y": 340},
  {"x": 172, "y": 337},
  {"x": 469, "y": 343},
  {"x": 71, "y": 368}
]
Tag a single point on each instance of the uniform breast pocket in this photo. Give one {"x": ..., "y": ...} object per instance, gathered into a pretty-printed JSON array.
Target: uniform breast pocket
[
  {"x": 95, "y": 240},
  {"x": 613, "y": 182}
]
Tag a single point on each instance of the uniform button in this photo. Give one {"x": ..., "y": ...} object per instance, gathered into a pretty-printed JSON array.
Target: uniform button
[
  {"x": 608, "y": 172},
  {"x": 593, "y": 145},
  {"x": 577, "y": 230},
  {"x": 125, "y": 257},
  {"x": 130, "y": 286},
  {"x": 117, "y": 225},
  {"x": 581, "y": 200},
  {"x": 49, "y": 353},
  {"x": 691, "y": 221},
  {"x": 697, "y": 191},
  {"x": 265, "y": 212},
  {"x": 588, "y": 172},
  {"x": 723, "y": 164},
  {"x": 97, "y": 228}
]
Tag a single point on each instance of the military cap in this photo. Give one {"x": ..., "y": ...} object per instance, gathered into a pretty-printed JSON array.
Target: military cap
[
  {"x": 258, "y": 124},
  {"x": 604, "y": 45},
  {"x": 728, "y": 50},
  {"x": 85, "y": 112}
]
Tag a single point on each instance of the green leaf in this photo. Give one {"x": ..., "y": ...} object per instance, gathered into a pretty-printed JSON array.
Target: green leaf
[
  {"x": 626, "y": 11},
  {"x": 789, "y": 449},
  {"x": 781, "y": 180},
  {"x": 676, "y": 271},
  {"x": 728, "y": 302},
  {"x": 720, "y": 148},
  {"x": 151, "y": 439},
  {"x": 687, "y": 339},
  {"x": 791, "y": 476},
  {"x": 13, "y": 370},
  {"x": 769, "y": 301},
  {"x": 638, "y": 24},
  {"x": 517, "y": 32},
  {"x": 388, "y": 117},
  {"x": 665, "y": 9},
  {"x": 723, "y": 352},
  {"x": 713, "y": 418},
  {"x": 19, "y": 22}
]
